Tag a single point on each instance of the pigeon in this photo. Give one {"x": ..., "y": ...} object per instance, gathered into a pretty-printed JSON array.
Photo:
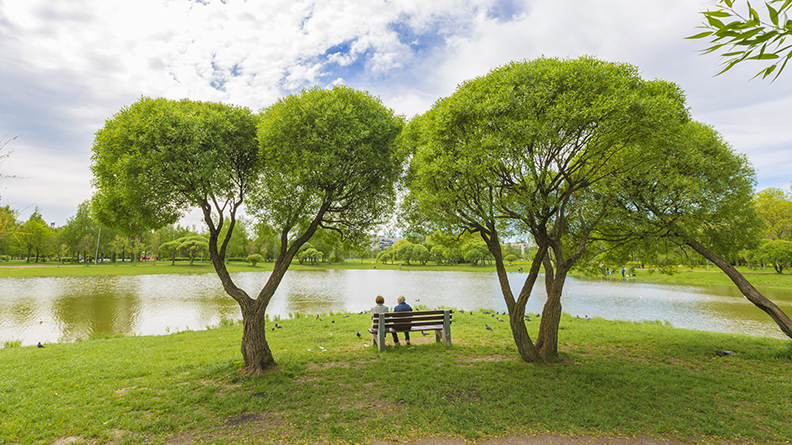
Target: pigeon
[
  {"x": 317, "y": 317},
  {"x": 499, "y": 319},
  {"x": 358, "y": 335},
  {"x": 272, "y": 329},
  {"x": 360, "y": 313},
  {"x": 321, "y": 319},
  {"x": 424, "y": 333},
  {"x": 332, "y": 321},
  {"x": 346, "y": 316},
  {"x": 278, "y": 326},
  {"x": 485, "y": 312},
  {"x": 488, "y": 328},
  {"x": 719, "y": 353},
  {"x": 39, "y": 345}
]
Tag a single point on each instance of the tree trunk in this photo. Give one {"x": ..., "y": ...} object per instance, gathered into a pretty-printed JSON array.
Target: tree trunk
[
  {"x": 255, "y": 349},
  {"x": 547, "y": 338},
  {"x": 750, "y": 292},
  {"x": 525, "y": 346}
]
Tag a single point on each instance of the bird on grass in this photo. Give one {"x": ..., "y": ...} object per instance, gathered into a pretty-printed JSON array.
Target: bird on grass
[
  {"x": 358, "y": 335},
  {"x": 39, "y": 345},
  {"x": 278, "y": 326},
  {"x": 321, "y": 319},
  {"x": 499, "y": 319},
  {"x": 424, "y": 333},
  {"x": 488, "y": 328},
  {"x": 719, "y": 353}
]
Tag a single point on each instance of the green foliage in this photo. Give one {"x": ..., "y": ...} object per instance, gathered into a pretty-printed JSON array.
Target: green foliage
[
  {"x": 35, "y": 235},
  {"x": 12, "y": 343},
  {"x": 746, "y": 34},
  {"x": 775, "y": 207},
  {"x": 254, "y": 259},
  {"x": 775, "y": 252},
  {"x": 329, "y": 154},
  {"x": 157, "y": 158},
  {"x": 702, "y": 191}
]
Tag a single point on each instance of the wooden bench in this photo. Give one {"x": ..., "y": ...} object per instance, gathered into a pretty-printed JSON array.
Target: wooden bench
[{"x": 438, "y": 321}]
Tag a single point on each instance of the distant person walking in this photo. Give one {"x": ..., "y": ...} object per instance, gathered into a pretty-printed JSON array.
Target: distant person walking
[{"x": 622, "y": 272}]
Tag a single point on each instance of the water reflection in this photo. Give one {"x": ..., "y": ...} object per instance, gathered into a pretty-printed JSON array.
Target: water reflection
[{"x": 64, "y": 309}]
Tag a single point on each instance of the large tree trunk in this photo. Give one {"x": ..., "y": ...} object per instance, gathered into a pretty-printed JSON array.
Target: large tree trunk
[
  {"x": 255, "y": 349},
  {"x": 525, "y": 346},
  {"x": 547, "y": 338},
  {"x": 750, "y": 292}
]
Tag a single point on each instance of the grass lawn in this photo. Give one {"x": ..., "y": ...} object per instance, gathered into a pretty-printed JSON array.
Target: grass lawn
[{"x": 615, "y": 378}]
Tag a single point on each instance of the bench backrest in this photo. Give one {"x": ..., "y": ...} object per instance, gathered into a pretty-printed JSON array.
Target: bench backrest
[{"x": 405, "y": 320}]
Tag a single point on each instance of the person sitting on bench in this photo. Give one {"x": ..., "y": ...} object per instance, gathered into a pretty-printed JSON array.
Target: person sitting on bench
[{"x": 402, "y": 307}]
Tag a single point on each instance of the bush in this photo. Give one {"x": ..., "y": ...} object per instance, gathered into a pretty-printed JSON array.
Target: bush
[{"x": 255, "y": 258}]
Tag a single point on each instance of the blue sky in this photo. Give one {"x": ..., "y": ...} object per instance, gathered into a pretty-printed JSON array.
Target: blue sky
[{"x": 68, "y": 66}]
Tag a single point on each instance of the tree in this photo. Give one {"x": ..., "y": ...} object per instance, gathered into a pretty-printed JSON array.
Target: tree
[
  {"x": 776, "y": 252},
  {"x": 775, "y": 207},
  {"x": 254, "y": 259},
  {"x": 78, "y": 227},
  {"x": 537, "y": 147},
  {"x": 322, "y": 158},
  {"x": 745, "y": 35},
  {"x": 192, "y": 246},
  {"x": 35, "y": 235},
  {"x": 9, "y": 228},
  {"x": 700, "y": 198}
]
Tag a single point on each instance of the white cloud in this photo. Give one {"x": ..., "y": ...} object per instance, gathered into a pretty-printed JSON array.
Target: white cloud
[{"x": 70, "y": 65}]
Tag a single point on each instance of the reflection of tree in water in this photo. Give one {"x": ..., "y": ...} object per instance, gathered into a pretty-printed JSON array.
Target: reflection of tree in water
[{"x": 89, "y": 305}]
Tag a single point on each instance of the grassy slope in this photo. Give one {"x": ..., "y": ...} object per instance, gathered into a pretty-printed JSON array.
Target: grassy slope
[{"x": 617, "y": 378}]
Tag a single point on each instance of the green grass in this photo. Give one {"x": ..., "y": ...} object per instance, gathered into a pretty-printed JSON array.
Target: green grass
[
  {"x": 615, "y": 378},
  {"x": 759, "y": 278}
]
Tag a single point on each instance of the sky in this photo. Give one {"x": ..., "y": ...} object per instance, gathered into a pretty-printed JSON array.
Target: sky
[{"x": 66, "y": 67}]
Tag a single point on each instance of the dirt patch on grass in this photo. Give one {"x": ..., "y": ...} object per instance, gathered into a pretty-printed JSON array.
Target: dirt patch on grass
[{"x": 323, "y": 366}]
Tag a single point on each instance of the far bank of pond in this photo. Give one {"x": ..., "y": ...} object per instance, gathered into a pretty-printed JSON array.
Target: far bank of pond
[
  {"x": 51, "y": 309},
  {"x": 761, "y": 278}
]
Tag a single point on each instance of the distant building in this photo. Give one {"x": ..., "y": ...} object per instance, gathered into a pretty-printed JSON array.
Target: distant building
[{"x": 382, "y": 242}]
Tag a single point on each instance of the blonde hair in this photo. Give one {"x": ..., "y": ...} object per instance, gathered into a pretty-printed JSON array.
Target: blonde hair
[
  {"x": 400, "y": 299},
  {"x": 380, "y": 299}
]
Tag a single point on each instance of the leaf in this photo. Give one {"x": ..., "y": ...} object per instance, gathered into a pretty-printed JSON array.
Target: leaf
[
  {"x": 715, "y": 23},
  {"x": 700, "y": 35},
  {"x": 764, "y": 56},
  {"x": 752, "y": 12},
  {"x": 718, "y": 13},
  {"x": 773, "y": 14}
]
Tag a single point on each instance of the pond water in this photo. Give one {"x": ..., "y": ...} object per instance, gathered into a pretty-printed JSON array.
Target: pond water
[{"x": 68, "y": 308}]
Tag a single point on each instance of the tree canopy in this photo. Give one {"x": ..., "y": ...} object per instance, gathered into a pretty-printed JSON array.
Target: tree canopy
[
  {"x": 701, "y": 199},
  {"x": 321, "y": 158},
  {"x": 537, "y": 147}
]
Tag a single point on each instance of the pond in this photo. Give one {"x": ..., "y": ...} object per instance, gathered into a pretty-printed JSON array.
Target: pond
[{"x": 67, "y": 308}]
